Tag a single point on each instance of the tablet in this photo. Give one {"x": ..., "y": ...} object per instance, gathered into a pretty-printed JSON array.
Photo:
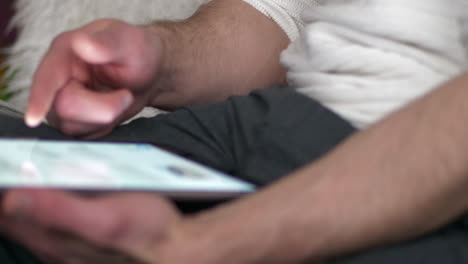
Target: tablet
[{"x": 100, "y": 167}]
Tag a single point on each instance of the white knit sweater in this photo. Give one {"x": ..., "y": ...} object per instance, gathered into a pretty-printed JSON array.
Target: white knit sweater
[{"x": 366, "y": 58}]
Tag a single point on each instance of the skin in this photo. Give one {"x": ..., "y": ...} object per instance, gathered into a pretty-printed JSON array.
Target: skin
[
  {"x": 116, "y": 69},
  {"x": 401, "y": 178}
]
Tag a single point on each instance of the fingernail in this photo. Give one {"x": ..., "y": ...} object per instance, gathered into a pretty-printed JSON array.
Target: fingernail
[
  {"x": 18, "y": 207},
  {"x": 32, "y": 121}
]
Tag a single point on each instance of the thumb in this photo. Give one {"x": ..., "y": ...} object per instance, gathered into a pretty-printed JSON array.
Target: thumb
[{"x": 77, "y": 103}]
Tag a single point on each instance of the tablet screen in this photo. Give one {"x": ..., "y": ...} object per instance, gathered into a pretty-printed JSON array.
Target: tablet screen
[{"x": 109, "y": 166}]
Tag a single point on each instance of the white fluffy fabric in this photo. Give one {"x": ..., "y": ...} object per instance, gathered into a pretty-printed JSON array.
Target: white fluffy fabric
[
  {"x": 367, "y": 58},
  {"x": 41, "y": 20}
]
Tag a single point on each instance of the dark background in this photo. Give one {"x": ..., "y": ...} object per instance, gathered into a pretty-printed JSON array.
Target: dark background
[{"x": 6, "y": 12}]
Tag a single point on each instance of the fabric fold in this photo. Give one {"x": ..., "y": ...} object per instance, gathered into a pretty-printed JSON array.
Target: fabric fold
[{"x": 367, "y": 58}]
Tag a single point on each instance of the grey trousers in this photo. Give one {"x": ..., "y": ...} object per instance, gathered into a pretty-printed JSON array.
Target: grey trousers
[{"x": 259, "y": 138}]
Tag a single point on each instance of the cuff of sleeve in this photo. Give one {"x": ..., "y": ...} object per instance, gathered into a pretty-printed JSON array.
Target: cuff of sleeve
[{"x": 286, "y": 13}]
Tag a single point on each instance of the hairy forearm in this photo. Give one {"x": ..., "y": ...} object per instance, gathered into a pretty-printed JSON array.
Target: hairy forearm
[
  {"x": 399, "y": 179},
  {"x": 226, "y": 48}
]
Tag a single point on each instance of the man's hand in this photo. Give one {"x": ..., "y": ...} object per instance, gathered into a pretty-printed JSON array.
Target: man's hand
[
  {"x": 64, "y": 228},
  {"x": 94, "y": 77}
]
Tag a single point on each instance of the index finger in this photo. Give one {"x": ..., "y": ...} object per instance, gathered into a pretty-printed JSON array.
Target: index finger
[{"x": 52, "y": 74}]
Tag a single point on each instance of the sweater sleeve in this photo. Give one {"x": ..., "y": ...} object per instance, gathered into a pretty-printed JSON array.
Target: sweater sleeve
[{"x": 286, "y": 13}]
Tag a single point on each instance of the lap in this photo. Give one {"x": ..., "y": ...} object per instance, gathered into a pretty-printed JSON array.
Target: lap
[
  {"x": 11, "y": 253},
  {"x": 259, "y": 138}
]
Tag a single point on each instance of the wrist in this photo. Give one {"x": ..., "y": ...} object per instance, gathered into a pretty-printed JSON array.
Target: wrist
[
  {"x": 230, "y": 234},
  {"x": 159, "y": 41},
  {"x": 176, "y": 64},
  {"x": 185, "y": 243}
]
